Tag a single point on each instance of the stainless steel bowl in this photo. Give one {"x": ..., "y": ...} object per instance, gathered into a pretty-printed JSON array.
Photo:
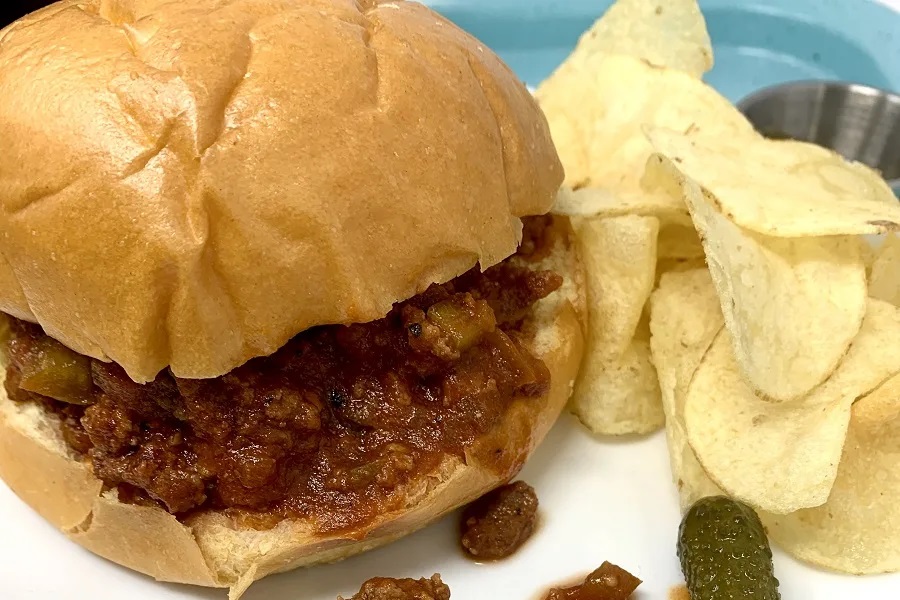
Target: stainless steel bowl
[{"x": 858, "y": 122}]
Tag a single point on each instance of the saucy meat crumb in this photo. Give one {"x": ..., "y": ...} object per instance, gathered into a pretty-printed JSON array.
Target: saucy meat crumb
[
  {"x": 609, "y": 582},
  {"x": 331, "y": 427},
  {"x": 498, "y": 523},
  {"x": 383, "y": 588}
]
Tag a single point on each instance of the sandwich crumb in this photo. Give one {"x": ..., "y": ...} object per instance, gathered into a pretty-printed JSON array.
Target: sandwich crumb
[{"x": 385, "y": 588}]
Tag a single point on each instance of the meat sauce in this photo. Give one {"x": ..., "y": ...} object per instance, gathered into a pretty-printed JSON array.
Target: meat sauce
[
  {"x": 496, "y": 525},
  {"x": 384, "y": 588},
  {"x": 608, "y": 582},
  {"x": 330, "y": 427}
]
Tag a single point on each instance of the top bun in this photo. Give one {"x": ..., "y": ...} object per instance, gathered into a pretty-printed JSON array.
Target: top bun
[{"x": 190, "y": 184}]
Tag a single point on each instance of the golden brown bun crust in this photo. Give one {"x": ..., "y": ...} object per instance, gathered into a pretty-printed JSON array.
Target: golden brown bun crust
[
  {"x": 210, "y": 551},
  {"x": 193, "y": 183}
]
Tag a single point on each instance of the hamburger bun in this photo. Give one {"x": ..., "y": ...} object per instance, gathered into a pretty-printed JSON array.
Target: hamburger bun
[
  {"x": 191, "y": 184},
  {"x": 201, "y": 181},
  {"x": 211, "y": 550}
]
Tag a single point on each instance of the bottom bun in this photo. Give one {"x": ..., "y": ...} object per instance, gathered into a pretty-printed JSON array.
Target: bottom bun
[{"x": 209, "y": 549}]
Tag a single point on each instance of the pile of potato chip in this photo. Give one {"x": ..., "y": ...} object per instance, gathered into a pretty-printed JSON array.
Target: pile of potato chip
[{"x": 735, "y": 293}]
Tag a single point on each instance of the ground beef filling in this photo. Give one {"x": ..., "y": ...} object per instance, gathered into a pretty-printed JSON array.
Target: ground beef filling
[
  {"x": 329, "y": 427},
  {"x": 384, "y": 588},
  {"x": 496, "y": 525}
]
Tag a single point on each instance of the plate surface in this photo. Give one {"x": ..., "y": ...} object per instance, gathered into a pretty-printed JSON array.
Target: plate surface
[{"x": 601, "y": 499}]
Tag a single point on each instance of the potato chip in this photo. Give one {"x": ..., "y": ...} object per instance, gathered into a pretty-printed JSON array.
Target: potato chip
[
  {"x": 783, "y": 188},
  {"x": 620, "y": 396},
  {"x": 619, "y": 256},
  {"x": 684, "y": 320},
  {"x": 884, "y": 281},
  {"x": 781, "y": 457},
  {"x": 665, "y": 33},
  {"x": 657, "y": 197},
  {"x": 677, "y": 265},
  {"x": 755, "y": 362},
  {"x": 617, "y": 391},
  {"x": 869, "y": 252},
  {"x": 597, "y": 106},
  {"x": 792, "y": 305},
  {"x": 857, "y": 530},
  {"x": 599, "y": 202},
  {"x": 679, "y": 241},
  {"x": 661, "y": 180}
]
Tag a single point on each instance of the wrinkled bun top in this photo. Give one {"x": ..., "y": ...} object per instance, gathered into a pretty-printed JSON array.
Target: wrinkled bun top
[{"x": 190, "y": 184}]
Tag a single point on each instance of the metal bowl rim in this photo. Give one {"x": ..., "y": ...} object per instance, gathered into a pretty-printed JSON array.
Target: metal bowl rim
[{"x": 812, "y": 84}]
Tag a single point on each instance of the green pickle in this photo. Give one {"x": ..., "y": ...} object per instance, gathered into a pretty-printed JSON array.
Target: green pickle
[
  {"x": 465, "y": 325},
  {"x": 724, "y": 552},
  {"x": 58, "y": 373}
]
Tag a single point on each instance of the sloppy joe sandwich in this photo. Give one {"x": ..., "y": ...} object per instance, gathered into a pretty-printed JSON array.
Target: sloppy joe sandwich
[{"x": 279, "y": 282}]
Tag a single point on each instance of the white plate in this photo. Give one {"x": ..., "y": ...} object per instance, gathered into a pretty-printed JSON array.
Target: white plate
[{"x": 601, "y": 499}]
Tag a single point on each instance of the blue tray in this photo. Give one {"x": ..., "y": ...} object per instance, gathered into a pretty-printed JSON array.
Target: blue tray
[{"x": 757, "y": 43}]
